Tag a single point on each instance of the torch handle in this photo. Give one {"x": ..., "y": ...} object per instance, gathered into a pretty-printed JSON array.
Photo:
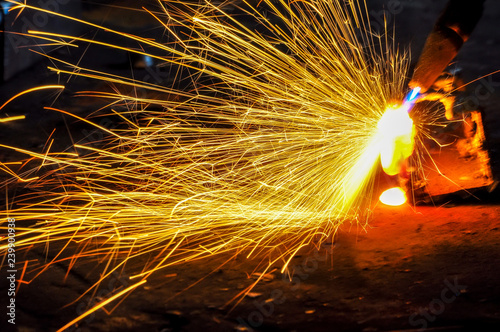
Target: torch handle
[{"x": 450, "y": 32}]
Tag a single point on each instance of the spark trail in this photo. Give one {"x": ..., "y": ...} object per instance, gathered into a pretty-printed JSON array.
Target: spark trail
[{"x": 273, "y": 142}]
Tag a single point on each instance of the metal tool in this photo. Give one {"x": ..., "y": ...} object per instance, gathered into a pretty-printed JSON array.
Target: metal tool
[
  {"x": 456, "y": 158},
  {"x": 450, "y": 32}
]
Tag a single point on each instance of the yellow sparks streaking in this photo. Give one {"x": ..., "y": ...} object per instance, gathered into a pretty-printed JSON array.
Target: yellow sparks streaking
[
  {"x": 267, "y": 139},
  {"x": 12, "y": 118},
  {"x": 101, "y": 304},
  {"x": 45, "y": 87}
]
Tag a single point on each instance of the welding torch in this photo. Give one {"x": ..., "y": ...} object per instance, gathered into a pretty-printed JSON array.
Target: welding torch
[{"x": 450, "y": 32}]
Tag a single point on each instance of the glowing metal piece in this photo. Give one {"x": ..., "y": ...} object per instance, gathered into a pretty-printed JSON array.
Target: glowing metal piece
[{"x": 393, "y": 197}]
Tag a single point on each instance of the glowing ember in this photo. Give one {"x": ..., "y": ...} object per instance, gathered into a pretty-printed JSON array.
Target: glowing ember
[
  {"x": 393, "y": 197},
  {"x": 12, "y": 118},
  {"x": 397, "y": 138}
]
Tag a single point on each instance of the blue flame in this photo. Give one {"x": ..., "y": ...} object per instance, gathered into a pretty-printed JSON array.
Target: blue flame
[
  {"x": 413, "y": 95},
  {"x": 411, "y": 98}
]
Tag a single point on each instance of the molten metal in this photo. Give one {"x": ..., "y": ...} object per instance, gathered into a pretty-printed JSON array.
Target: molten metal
[{"x": 393, "y": 197}]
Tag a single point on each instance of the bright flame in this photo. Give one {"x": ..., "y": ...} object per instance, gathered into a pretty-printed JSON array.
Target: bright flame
[
  {"x": 398, "y": 138},
  {"x": 393, "y": 197}
]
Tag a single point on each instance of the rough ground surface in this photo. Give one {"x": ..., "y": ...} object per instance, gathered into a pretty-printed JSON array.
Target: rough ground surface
[{"x": 432, "y": 266}]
